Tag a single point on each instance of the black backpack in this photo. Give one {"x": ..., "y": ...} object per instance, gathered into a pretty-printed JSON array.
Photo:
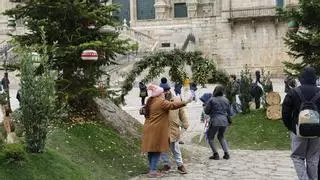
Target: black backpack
[
  {"x": 256, "y": 90},
  {"x": 308, "y": 124}
]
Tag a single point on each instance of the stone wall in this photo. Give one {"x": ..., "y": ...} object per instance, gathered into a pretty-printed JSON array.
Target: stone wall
[
  {"x": 4, "y": 5},
  {"x": 255, "y": 40}
]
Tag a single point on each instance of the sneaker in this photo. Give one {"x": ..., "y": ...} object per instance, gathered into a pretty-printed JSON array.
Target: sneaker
[
  {"x": 154, "y": 175},
  {"x": 165, "y": 168},
  {"x": 226, "y": 156},
  {"x": 215, "y": 156},
  {"x": 182, "y": 170}
]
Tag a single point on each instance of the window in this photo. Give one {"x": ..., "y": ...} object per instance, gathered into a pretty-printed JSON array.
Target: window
[
  {"x": 145, "y": 9},
  {"x": 180, "y": 10},
  {"x": 124, "y": 11},
  {"x": 279, "y": 3},
  {"x": 165, "y": 44}
]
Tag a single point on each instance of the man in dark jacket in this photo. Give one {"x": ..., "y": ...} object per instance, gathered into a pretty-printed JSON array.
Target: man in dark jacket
[{"x": 305, "y": 151}]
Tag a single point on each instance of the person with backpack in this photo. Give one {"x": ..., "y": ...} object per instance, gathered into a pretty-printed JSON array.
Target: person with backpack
[
  {"x": 300, "y": 114},
  {"x": 256, "y": 90}
]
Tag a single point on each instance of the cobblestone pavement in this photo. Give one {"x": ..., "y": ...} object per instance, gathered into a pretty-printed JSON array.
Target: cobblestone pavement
[{"x": 243, "y": 165}]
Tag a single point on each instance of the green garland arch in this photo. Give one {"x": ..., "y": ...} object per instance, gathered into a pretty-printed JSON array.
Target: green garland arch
[{"x": 202, "y": 68}]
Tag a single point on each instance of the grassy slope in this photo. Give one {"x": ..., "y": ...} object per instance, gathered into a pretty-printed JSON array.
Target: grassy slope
[
  {"x": 254, "y": 131},
  {"x": 85, "y": 151}
]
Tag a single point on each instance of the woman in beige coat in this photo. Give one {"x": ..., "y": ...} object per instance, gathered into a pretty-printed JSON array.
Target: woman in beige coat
[{"x": 156, "y": 127}]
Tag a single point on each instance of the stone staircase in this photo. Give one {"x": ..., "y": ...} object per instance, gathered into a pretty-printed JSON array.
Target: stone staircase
[
  {"x": 146, "y": 42},
  {"x": 147, "y": 45},
  {"x": 6, "y": 54}
]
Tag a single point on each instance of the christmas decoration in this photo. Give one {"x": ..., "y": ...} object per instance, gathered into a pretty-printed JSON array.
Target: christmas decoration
[
  {"x": 201, "y": 67},
  {"x": 89, "y": 55},
  {"x": 293, "y": 26}
]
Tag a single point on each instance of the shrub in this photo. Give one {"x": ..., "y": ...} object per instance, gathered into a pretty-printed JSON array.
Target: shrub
[
  {"x": 219, "y": 76},
  {"x": 245, "y": 85},
  {"x": 14, "y": 152},
  {"x": 2, "y": 142}
]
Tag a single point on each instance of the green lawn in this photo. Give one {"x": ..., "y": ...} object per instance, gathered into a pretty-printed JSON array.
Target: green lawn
[
  {"x": 87, "y": 152},
  {"x": 255, "y": 132}
]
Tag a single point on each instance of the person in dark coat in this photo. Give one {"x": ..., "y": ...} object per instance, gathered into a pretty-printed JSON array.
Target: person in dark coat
[
  {"x": 305, "y": 151},
  {"x": 289, "y": 83},
  {"x": 5, "y": 81},
  {"x": 18, "y": 96},
  {"x": 143, "y": 92},
  {"x": 218, "y": 108},
  {"x": 256, "y": 90},
  {"x": 193, "y": 89},
  {"x": 177, "y": 88}
]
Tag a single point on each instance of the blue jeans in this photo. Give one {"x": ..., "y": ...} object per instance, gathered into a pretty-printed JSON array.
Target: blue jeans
[
  {"x": 175, "y": 149},
  {"x": 153, "y": 158}
]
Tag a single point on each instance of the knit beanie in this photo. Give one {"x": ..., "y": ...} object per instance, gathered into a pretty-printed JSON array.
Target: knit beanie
[{"x": 155, "y": 90}]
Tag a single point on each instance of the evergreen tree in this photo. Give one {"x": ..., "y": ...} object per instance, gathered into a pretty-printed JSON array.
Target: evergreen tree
[
  {"x": 72, "y": 26},
  {"x": 38, "y": 99},
  {"x": 303, "y": 37}
]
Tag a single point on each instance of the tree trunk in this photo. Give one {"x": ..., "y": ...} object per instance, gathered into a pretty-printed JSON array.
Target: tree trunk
[{"x": 118, "y": 118}]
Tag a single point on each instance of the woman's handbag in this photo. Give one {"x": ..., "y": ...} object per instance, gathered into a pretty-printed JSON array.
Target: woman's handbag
[
  {"x": 142, "y": 111},
  {"x": 143, "y": 94}
]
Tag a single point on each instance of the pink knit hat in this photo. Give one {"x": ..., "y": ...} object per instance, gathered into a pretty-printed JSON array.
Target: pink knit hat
[{"x": 155, "y": 90}]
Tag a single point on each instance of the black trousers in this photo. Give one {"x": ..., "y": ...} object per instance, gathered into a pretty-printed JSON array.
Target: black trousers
[
  {"x": 143, "y": 100},
  {"x": 257, "y": 101}
]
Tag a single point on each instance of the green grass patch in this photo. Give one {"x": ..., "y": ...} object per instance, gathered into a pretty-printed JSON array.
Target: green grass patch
[
  {"x": 255, "y": 132},
  {"x": 82, "y": 152}
]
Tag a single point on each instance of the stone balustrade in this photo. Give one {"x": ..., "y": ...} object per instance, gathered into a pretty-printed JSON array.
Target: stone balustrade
[
  {"x": 141, "y": 38},
  {"x": 253, "y": 12}
]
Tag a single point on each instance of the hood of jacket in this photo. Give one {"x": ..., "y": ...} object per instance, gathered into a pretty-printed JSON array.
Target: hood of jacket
[{"x": 308, "y": 76}]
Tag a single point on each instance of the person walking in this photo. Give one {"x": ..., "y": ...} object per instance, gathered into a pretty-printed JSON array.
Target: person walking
[
  {"x": 177, "y": 88},
  {"x": 289, "y": 83},
  {"x": 234, "y": 91},
  {"x": 176, "y": 118},
  {"x": 305, "y": 151},
  {"x": 5, "y": 82},
  {"x": 257, "y": 90},
  {"x": 143, "y": 92},
  {"x": 156, "y": 127},
  {"x": 193, "y": 89},
  {"x": 218, "y": 108}
]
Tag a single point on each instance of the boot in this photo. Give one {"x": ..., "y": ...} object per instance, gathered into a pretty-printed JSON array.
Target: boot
[
  {"x": 165, "y": 168},
  {"x": 182, "y": 170},
  {"x": 215, "y": 156},
  {"x": 226, "y": 156}
]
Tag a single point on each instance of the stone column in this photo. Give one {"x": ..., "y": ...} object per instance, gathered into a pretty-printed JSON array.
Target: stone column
[
  {"x": 162, "y": 9},
  {"x": 133, "y": 11},
  {"x": 192, "y": 6},
  {"x": 218, "y": 7}
]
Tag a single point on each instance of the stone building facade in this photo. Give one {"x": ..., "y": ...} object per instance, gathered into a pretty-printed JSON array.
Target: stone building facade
[{"x": 233, "y": 32}]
